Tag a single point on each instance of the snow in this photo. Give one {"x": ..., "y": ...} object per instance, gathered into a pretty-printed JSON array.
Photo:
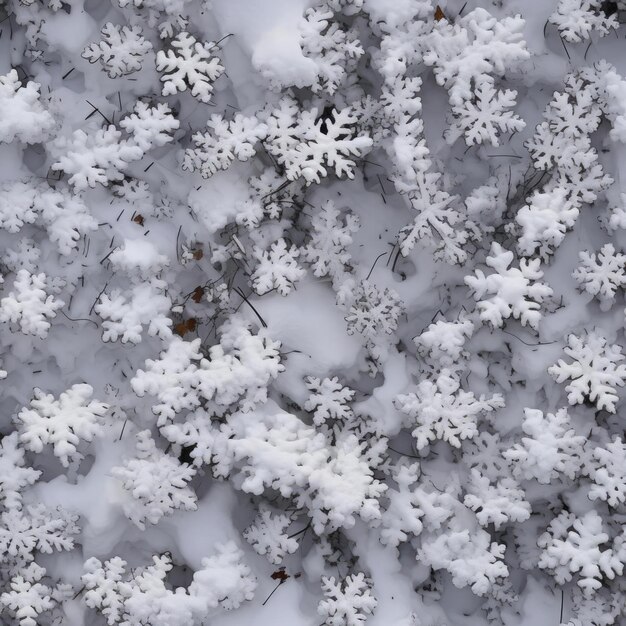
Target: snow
[{"x": 312, "y": 312}]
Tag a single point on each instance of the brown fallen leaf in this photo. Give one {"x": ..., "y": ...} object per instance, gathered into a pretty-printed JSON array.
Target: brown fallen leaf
[
  {"x": 186, "y": 326},
  {"x": 439, "y": 14}
]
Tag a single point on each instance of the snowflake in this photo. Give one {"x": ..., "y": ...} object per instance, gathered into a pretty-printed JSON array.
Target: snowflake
[
  {"x": 329, "y": 400},
  {"x": 576, "y": 19},
  {"x": 348, "y": 603},
  {"x": 550, "y": 448},
  {"x": 61, "y": 423},
  {"x": 465, "y": 53},
  {"x": 28, "y": 597},
  {"x": 189, "y": 63},
  {"x": 401, "y": 516},
  {"x": 22, "y": 531},
  {"x": 331, "y": 234},
  {"x": 497, "y": 503},
  {"x": 125, "y": 314},
  {"x": 150, "y": 126},
  {"x": 574, "y": 545},
  {"x": 226, "y": 141},
  {"x": 511, "y": 291},
  {"x": 603, "y": 276},
  {"x": 99, "y": 156},
  {"x": 373, "y": 312},
  {"x": 444, "y": 411},
  {"x": 306, "y": 144},
  {"x": 121, "y": 50},
  {"x": 30, "y": 305},
  {"x": 594, "y": 371},
  {"x": 13, "y": 475},
  {"x": 607, "y": 469},
  {"x": 471, "y": 559},
  {"x": 23, "y": 117},
  {"x": 267, "y": 536},
  {"x": 277, "y": 268},
  {"x": 484, "y": 116},
  {"x": 545, "y": 220}
]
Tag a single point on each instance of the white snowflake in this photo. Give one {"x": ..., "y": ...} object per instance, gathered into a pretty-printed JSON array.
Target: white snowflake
[
  {"x": 189, "y": 63},
  {"x": 29, "y": 305},
  {"x": 62, "y": 423},
  {"x": 595, "y": 371},
  {"x": 348, "y": 603},
  {"x": 509, "y": 291}
]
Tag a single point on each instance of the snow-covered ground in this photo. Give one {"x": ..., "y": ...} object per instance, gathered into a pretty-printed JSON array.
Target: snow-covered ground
[{"x": 312, "y": 312}]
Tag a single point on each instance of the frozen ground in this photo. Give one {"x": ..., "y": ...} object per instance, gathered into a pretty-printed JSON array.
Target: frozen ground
[{"x": 312, "y": 313}]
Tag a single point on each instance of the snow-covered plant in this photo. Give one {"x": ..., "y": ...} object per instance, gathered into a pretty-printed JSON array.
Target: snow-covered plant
[
  {"x": 189, "y": 63},
  {"x": 602, "y": 275},
  {"x": 238, "y": 370},
  {"x": 277, "y": 268},
  {"x": 98, "y": 156},
  {"x": 595, "y": 371},
  {"x": 121, "y": 51},
  {"x": 156, "y": 484},
  {"x": 29, "y": 305},
  {"x": 440, "y": 409},
  {"x": 348, "y": 602},
  {"x": 607, "y": 469},
  {"x": 62, "y": 423},
  {"x": 267, "y": 535},
  {"x": 23, "y": 116},
  {"x": 578, "y": 545},
  {"x": 224, "y": 142},
  {"x": 577, "y": 19},
  {"x": 472, "y": 559},
  {"x": 509, "y": 291},
  {"x": 550, "y": 448},
  {"x": 306, "y": 145},
  {"x": 497, "y": 503}
]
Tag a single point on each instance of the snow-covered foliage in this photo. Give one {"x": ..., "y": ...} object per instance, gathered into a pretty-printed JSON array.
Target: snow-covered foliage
[{"x": 312, "y": 312}]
